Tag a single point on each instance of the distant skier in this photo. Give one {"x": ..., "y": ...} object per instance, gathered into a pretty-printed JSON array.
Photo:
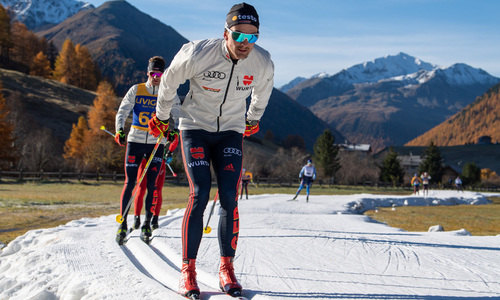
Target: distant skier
[
  {"x": 458, "y": 184},
  {"x": 416, "y": 182},
  {"x": 425, "y": 183},
  {"x": 307, "y": 176},
  {"x": 246, "y": 177}
]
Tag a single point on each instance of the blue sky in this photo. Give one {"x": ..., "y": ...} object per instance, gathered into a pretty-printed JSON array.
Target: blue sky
[{"x": 311, "y": 36}]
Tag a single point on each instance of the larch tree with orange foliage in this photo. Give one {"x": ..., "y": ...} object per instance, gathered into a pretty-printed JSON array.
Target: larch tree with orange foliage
[
  {"x": 40, "y": 66},
  {"x": 66, "y": 67},
  {"x": 7, "y": 150},
  {"x": 101, "y": 151},
  {"x": 5, "y": 36},
  {"x": 25, "y": 44},
  {"x": 86, "y": 69},
  {"x": 74, "y": 146}
]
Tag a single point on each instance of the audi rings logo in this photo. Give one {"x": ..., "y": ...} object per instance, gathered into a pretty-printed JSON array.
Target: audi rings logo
[
  {"x": 214, "y": 74},
  {"x": 232, "y": 151}
]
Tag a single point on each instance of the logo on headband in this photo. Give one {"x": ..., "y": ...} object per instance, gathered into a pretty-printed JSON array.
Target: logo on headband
[{"x": 245, "y": 18}]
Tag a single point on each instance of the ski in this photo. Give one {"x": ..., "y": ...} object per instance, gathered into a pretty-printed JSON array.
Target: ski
[
  {"x": 192, "y": 296},
  {"x": 146, "y": 238},
  {"x": 122, "y": 239}
]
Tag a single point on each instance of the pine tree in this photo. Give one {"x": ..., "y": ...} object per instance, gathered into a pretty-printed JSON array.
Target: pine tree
[
  {"x": 471, "y": 173},
  {"x": 7, "y": 151},
  {"x": 66, "y": 66},
  {"x": 432, "y": 163},
  {"x": 52, "y": 54},
  {"x": 391, "y": 170},
  {"x": 86, "y": 70},
  {"x": 326, "y": 154},
  {"x": 40, "y": 66},
  {"x": 101, "y": 151}
]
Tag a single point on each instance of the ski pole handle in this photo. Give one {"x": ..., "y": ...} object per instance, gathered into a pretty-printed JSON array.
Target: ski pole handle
[{"x": 105, "y": 130}]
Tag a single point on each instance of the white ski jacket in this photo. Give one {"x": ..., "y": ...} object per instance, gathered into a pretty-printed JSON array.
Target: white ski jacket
[
  {"x": 218, "y": 86},
  {"x": 141, "y": 100}
]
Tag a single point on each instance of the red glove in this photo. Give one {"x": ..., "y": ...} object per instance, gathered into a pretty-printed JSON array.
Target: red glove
[
  {"x": 157, "y": 127},
  {"x": 252, "y": 127},
  {"x": 173, "y": 138},
  {"x": 120, "y": 137}
]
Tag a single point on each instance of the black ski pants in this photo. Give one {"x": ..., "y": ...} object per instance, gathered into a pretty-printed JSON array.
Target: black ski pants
[
  {"x": 224, "y": 151},
  {"x": 133, "y": 158}
]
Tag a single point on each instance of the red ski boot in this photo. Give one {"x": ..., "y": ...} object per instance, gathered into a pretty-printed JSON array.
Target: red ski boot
[
  {"x": 188, "y": 287},
  {"x": 227, "y": 280}
]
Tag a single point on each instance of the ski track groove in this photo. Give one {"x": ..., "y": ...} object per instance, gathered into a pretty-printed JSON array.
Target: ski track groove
[{"x": 157, "y": 262}]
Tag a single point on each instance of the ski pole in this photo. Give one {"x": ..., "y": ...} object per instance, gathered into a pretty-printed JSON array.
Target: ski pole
[
  {"x": 173, "y": 173},
  {"x": 120, "y": 218},
  {"x": 105, "y": 130},
  {"x": 207, "y": 228}
]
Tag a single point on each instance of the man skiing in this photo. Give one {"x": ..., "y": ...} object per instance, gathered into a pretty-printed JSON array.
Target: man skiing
[
  {"x": 141, "y": 100},
  {"x": 246, "y": 178},
  {"x": 458, "y": 184},
  {"x": 425, "y": 183},
  {"x": 416, "y": 182},
  {"x": 222, "y": 74},
  {"x": 306, "y": 176}
]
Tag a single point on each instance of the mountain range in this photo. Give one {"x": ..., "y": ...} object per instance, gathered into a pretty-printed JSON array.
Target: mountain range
[
  {"x": 391, "y": 100},
  {"x": 120, "y": 38},
  {"x": 36, "y": 13},
  {"x": 387, "y": 101}
]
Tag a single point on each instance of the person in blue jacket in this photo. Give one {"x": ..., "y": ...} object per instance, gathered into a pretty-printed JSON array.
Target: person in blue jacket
[{"x": 307, "y": 176}]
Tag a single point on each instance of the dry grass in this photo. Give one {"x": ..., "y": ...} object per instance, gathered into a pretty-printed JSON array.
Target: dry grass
[
  {"x": 30, "y": 206},
  {"x": 479, "y": 220}
]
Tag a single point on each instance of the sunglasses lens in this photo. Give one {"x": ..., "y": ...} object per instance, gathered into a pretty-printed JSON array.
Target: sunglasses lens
[
  {"x": 240, "y": 37},
  {"x": 153, "y": 74}
]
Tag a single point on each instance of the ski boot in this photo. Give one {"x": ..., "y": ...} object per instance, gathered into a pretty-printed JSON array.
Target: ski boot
[
  {"x": 188, "y": 287},
  {"x": 154, "y": 223},
  {"x": 121, "y": 233},
  {"x": 146, "y": 233},
  {"x": 307, "y": 198},
  {"x": 294, "y": 198},
  {"x": 227, "y": 280},
  {"x": 137, "y": 222}
]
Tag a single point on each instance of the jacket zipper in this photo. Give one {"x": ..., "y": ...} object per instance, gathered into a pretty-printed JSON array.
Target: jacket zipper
[{"x": 225, "y": 96}]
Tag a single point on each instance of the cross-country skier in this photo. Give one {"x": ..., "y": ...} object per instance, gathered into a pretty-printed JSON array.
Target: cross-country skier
[
  {"x": 222, "y": 74},
  {"x": 141, "y": 101},
  {"x": 173, "y": 139},
  {"x": 246, "y": 178},
  {"x": 306, "y": 176},
  {"x": 425, "y": 182},
  {"x": 416, "y": 182},
  {"x": 458, "y": 184}
]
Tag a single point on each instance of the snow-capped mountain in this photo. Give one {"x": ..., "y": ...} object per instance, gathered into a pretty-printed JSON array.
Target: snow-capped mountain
[
  {"x": 34, "y": 13},
  {"x": 392, "y": 99},
  {"x": 299, "y": 79},
  {"x": 383, "y": 68},
  {"x": 402, "y": 67}
]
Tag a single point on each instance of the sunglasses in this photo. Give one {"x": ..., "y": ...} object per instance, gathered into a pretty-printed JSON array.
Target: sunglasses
[
  {"x": 240, "y": 36},
  {"x": 155, "y": 74}
]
